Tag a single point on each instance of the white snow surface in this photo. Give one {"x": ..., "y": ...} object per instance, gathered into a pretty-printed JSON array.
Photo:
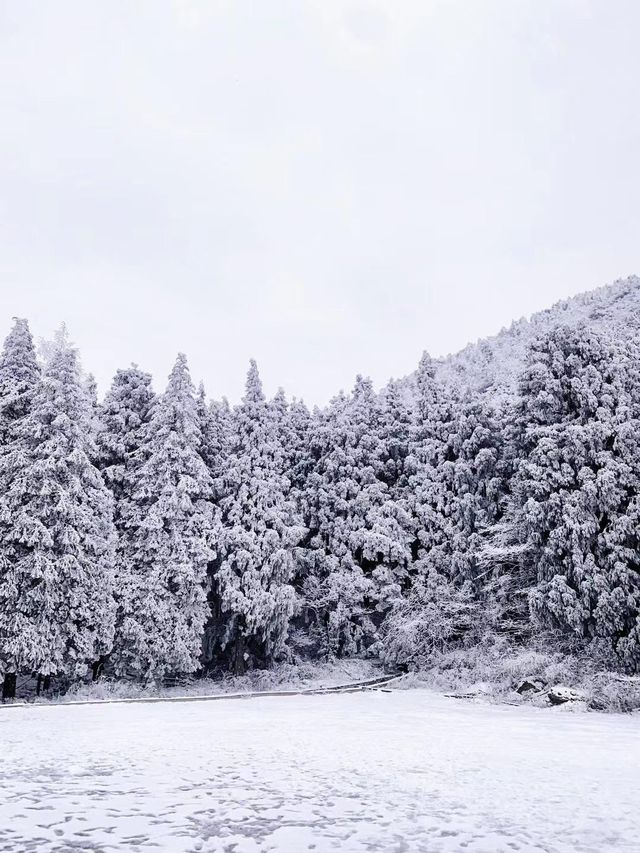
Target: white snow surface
[{"x": 402, "y": 771}]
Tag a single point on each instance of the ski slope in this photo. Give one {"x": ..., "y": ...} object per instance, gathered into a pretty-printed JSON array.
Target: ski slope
[{"x": 403, "y": 771}]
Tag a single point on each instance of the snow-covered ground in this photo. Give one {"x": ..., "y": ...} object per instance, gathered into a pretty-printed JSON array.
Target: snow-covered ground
[{"x": 403, "y": 771}]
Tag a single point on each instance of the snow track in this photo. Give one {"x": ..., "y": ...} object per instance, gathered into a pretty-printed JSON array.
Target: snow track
[{"x": 353, "y": 687}]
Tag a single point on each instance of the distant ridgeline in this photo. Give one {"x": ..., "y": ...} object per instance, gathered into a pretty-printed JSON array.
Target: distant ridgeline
[{"x": 492, "y": 494}]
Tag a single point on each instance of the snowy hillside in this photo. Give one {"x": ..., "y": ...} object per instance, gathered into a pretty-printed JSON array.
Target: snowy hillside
[{"x": 493, "y": 364}]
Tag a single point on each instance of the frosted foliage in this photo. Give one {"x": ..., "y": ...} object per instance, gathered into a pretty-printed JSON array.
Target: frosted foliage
[
  {"x": 216, "y": 427},
  {"x": 458, "y": 480},
  {"x": 19, "y": 374},
  {"x": 360, "y": 535},
  {"x": 434, "y": 615},
  {"x": 171, "y": 542},
  {"x": 56, "y": 570},
  {"x": 574, "y": 502},
  {"x": 260, "y": 532},
  {"x": 124, "y": 434},
  {"x": 297, "y": 437},
  {"x": 123, "y": 448}
]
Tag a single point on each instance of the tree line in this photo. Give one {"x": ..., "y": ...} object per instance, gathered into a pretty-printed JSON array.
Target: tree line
[{"x": 152, "y": 537}]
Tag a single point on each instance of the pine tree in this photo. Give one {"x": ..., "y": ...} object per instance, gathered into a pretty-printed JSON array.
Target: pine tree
[
  {"x": 359, "y": 541},
  {"x": 215, "y": 422},
  {"x": 124, "y": 430},
  {"x": 457, "y": 486},
  {"x": 453, "y": 485},
  {"x": 429, "y": 500},
  {"x": 123, "y": 448},
  {"x": 260, "y": 532},
  {"x": 162, "y": 625},
  {"x": 56, "y": 604},
  {"x": 396, "y": 431},
  {"x": 19, "y": 376},
  {"x": 299, "y": 440},
  {"x": 91, "y": 390},
  {"x": 571, "y": 526}
]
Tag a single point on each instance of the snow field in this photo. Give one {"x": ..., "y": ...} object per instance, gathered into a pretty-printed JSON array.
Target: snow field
[{"x": 406, "y": 771}]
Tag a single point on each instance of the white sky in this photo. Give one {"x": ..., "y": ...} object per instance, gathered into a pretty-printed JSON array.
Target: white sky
[{"x": 329, "y": 187}]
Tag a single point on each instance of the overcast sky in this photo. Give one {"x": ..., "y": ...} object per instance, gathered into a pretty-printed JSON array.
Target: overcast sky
[{"x": 329, "y": 187}]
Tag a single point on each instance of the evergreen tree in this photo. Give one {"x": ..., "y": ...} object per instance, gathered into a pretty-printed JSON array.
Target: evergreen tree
[
  {"x": 428, "y": 496},
  {"x": 219, "y": 436},
  {"x": 359, "y": 534},
  {"x": 573, "y": 517},
  {"x": 458, "y": 478},
  {"x": 260, "y": 532},
  {"x": 56, "y": 604},
  {"x": 215, "y": 421},
  {"x": 171, "y": 539},
  {"x": 396, "y": 433},
  {"x": 123, "y": 448},
  {"x": 19, "y": 376},
  {"x": 454, "y": 484},
  {"x": 299, "y": 440},
  {"x": 91, "y": 390}
]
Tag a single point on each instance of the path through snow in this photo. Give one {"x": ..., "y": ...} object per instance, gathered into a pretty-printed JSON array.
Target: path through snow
[{"x": 406, "y": 771}]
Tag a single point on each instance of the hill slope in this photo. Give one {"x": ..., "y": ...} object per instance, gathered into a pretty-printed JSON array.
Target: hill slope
[{"x": 492, "y": 365}]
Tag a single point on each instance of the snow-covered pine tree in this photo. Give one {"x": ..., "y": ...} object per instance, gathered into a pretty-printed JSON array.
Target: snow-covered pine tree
[
  {"x": 91, "y": 390},
  {"x": 56, "y": 604},
  {"x": 295, "y": 427},
  {"x": 301, "y": 424},
  {"x": 161, "y": 631},
  {"x": 394, "y": 468},
  {"x": 457, "y": 488},
  {"x": 215, "y": 421},
  {"x": 19, "y": 376},
  {"x": 454, "y": 488},
  {"x": 573, "y": 517},
  {"x": 260, "y": 532},
  {"x": 359, "y": 541},
  {"x": 434, "y": 413},
  {"x": 411, "y": 629},
  {"x": 204, "y": 423},
  {"x": 220, "y": 434},
  {"x": 283, "y": 430},
  {"x": 124, "y": 430},
  {"x": 396, "y": 433},
  {"x": 123, "y": 447}
]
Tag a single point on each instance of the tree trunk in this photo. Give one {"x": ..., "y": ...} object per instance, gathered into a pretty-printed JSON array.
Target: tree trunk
[
  {"x": 46, "y": 686},
  {"x": 38, "y": 684},
  {"x": 238, "y": 656},
  {"x": 96, "y": 669},
  {"x": 9, "y": 686}
]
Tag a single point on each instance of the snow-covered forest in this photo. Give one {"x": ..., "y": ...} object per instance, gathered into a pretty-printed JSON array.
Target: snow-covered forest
[{"x": 153, "y": 536}]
